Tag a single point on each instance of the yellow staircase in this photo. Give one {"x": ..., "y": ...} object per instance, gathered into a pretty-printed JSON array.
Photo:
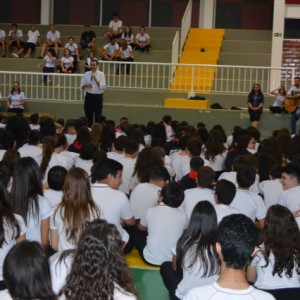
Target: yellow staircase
[{"x": 202, "y": 47}]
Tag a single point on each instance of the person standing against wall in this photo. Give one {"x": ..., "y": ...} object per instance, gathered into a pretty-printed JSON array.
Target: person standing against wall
[{"x": 93, "y": 84}]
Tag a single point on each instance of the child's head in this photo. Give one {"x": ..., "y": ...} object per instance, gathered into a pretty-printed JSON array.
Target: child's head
[
  {"x": 205, "y": 177},
  {"x": 56, "y": 178},
  {"x": 159, "y": 175},
  {"x": 225, "y": 191},
  {"x": 34, "y": 118},
  {"x": 245, "y": 176},
  {"x": 195, "y": 163},
  {"x": 275, "y": 172},
  {"x": 172, "y": 195},
  {"x": 71, "y": 40}
]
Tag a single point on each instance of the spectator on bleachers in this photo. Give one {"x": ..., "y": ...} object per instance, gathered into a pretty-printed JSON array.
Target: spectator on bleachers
[
  {"x": 125, "y": 55},
  {"x": 15, "y": 37},
  {"x": 53, "y": 41},
  {"x": 195, "y": 260},
  {"x": 2, "y": 42},
  {"x": 87, "y": 40},
  {"x": 114, "y": 27},
  {"x": 110, "y": 51},
  {"x": 255, "y": 104},
  {"x": 280, "y": 94},
  {"x": 66, "y": 63},
  {"x": 16, "y": 99},
  {"x": 73, "y": 47},
  {"x": 128, "y": 36},
  {"x": 142, "y": 40},
  {"x": 29, "y": 46},
  {"x": 48, "y": 64},
  {"x": 34, "y": 122},
  {"x": 87, "y": 61}
]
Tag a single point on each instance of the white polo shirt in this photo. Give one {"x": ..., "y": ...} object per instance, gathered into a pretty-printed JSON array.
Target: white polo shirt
[
  {"x": 33, "y": 151},
  {"x": 53, "y": 197},
  {"x": 128, "y": 169},
  {"x": 113, "y": 205},
  {"x": 144, "y": 196},
  {"x": 195, "y": 195},
  {"x": 250, "y": 204},
  {"x": 271, "y": 190},
  {"x": 223, "y": 210},
  {"x": 165, "y": 226}
]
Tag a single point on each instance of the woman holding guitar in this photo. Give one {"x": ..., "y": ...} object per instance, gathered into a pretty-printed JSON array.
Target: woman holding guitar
[
  {"x": 255, "y": 104},
  {"x": 291, "y": 103}
]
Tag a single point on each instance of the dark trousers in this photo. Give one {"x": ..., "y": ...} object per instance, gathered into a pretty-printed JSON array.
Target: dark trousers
[
  {"x": 127, "y": 66},
  {"x": 16, "y": 110},
  {"x": 47, "y": 70},
  {"x": 170, "y": 278},
  {"x": 93, "y": 105}
]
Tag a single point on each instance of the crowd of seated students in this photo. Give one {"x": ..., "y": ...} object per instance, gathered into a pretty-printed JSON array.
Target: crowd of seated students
[{"x": 165, "y": 197}]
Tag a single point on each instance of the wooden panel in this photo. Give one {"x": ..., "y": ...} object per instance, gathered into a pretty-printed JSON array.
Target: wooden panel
[
  {"x": 84, "y": 12},
  {"x": 26, "y": 12},
  {"x": 135, "y": 12}
]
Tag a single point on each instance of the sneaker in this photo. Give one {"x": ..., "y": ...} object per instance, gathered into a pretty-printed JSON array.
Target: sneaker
[
  {"x": 26, "y": 56},
  {"x": 14, "y": 55}
]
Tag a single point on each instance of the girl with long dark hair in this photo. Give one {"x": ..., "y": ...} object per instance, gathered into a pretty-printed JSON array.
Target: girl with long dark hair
[
  {"x": 195, "y": 261},
  {"x": 28, "y": 201},
  {"x": 276, "y": 264}
]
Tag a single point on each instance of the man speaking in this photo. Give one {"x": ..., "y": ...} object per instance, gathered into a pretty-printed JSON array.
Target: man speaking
[{"x": 93, "y": 84}]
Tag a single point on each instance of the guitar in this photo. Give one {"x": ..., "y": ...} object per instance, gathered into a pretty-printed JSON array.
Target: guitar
[{"x": 290, "y": 105}]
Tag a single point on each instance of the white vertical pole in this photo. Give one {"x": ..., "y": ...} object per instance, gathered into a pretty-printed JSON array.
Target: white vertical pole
[
  {"x": 150, "y": 14},
  {"x": 207, "y": 13},
  {"x": 46, "y": 12},
  {"x": 101, "y": 13}
]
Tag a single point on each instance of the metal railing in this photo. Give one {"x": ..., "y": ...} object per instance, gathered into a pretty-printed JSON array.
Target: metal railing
[
  {"x": 186, "y": 23},
  {"x": 151, "y": 76}
]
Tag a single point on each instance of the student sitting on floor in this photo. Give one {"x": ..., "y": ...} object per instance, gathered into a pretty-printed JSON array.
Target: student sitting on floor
[
  {"x": 237, "y": 237},
  {"x": 195, "y": 260},
  {"x": 224, "y": 194},
  {"x": 164, "y": 224}
]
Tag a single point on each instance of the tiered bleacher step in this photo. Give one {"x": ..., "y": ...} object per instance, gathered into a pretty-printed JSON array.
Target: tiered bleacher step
[{"x": 201, "y": 47}]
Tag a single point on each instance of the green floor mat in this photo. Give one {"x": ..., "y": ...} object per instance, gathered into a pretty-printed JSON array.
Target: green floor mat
[{"x": 149, "y": 284}]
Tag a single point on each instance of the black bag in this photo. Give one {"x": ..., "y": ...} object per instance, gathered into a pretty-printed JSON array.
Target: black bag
[
  {"x": 197, "y": 98},
  {"x": 216, "y": 106}
]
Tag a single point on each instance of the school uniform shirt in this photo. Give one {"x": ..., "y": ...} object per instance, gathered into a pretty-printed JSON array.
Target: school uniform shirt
[
  {"x": 69, "y": 158},
  {"x": 48, "y": 61},
  {"x": 250, "y": 204},
  {"x": 10, "y": 239},
  {"x": 195, "y": 195},
  {"x": 70, "y": 138},
  {"x": 113, "y": 205},
  {"x": 85, "y": 164},
  {"x": 215, "y": 292},
  {"x": 2, "y": 34},
  {"x": 2, "y": 152},
  {"x": 290, "y": 198},
  {"x": 33, "y": 151},
  {"x": 218, "y": 163},
  {"x": 231, "y": 176},
  {"x": 33, "y": 36},
  {"x": 271, "y": 190},
  {"x": 144, "y": 196},
  {"x": 142, "y": 39},
  {"x": 16, "y": 98},
  {"x": 52, "y": 36},
  {"x": 115, "y": 156},
  {"x": 53, "y": 197},
  {"x": 193, "y": 276},
  {"x": 165, "y": 225},
  {"x": 128, "y": 169},
  {"x": 67, "y": 61},
  {"x": 127, "y": 38},
  {"x": 223, "y": 210},
  {"x": 34, "y": 127},
  {"x": 125, "y": 53},
  {"x": 115, "y": 25},
  {"x": 72, "y": 47},
  {"x": 55, "y": 160},
  {"x": 176, "y": 160},
  {"x": 265, "y": 279},
  {"x": 111, "y": 48},
  {"x": 15, "y": 35},
  {"x": 34, "y": 222},
  {"x": 56, "y": 223},
  {"x": 183, "y": 168}
]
